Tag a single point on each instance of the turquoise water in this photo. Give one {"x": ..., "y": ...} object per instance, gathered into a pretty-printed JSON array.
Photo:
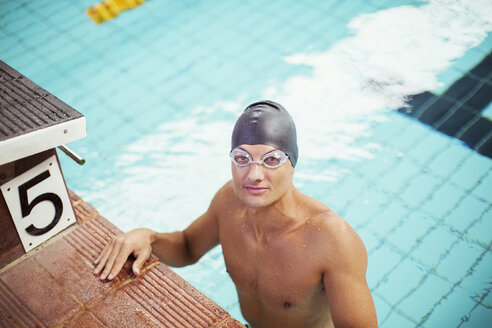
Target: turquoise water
[{"x": 161, "y": 86}]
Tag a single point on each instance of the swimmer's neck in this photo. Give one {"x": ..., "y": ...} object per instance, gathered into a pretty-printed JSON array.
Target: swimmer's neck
[{"x": 279, "y": 217}]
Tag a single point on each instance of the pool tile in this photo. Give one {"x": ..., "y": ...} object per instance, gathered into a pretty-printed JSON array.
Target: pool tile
[
  {"x": 351, "y": 185},
  {"x": 429, "y": 147},
  {"x": 9, "y": 55},
  {"x": 13, "y": 312},
  {"x": 419, "y": 190},
  {"x": 410, "y": 231},
  {"x": 417, "y": 132},
  {"x": 451, "y": 310},
  {"x": 87, "y": 319},
  {"x": 434, "y": 246},
  {"x": 381, "y": 262},
  {"x": 364, "y": 207},
  {"x": 36, "y": 288},
  {"x": 484, "y": 188},
  {"x": 389, "y": 131},
  {"x": 469, "y": 210},
  {"x": 7, "y": 43},
  {"x": 463, "y": 88},
  {"x": 399, "y": 175},
  {"x": 487, "y": 112},
  {"x": 487, "y": 301},
  {"x": 382, "y": 307},
  {"x": 369, "y": 240},
  {"x": 471, "y": 58},
  {"x": 472, "y": 170},
  {"x": 118, "y": 135},
  {"x": 46, "y": 9},
  {"x": 9, "y": 7},
  {"x": 397, "y": 320},
  {"x": 223, "y": 293},
  {"x": 443, "y": 200},
  {"x": 120, "y": 310},
  {"x": 447, "y": 78},
  {"x": 230, "y": 323},
  {"x": 382, "y": 163},
  {"x": 480, "y": 231},
  {"x": 479, "y": 317},
  {"x": 16, "y": 21},
  {"x": 477, "y": 135},
  {"x": 481, "y": 97},
  {"x": 404, "y": 280},
  {"x": 426, "y": 296},
  {"x": 478, "y": 279},
  {"x": 387, "y": 219},
  {"x": 404, "y": 137},
  {"x": 29, "y": 62},
  {"x": 136, "y": 306},
  {"x": 70, "y": 9},
  {"x": 458, "y": 262},
  {"x": 73, "y": 272},
  {"x": 445, "y": 163}
]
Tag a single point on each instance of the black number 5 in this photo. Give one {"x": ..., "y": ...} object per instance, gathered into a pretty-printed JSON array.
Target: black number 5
[{"x": 27, "y": 207}]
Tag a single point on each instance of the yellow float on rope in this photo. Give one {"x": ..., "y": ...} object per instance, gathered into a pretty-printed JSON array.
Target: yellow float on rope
[{"x": 109, "y": 9}]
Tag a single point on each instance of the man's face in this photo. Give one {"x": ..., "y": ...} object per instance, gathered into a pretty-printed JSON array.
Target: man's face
[{"x": 258, "y": 186}]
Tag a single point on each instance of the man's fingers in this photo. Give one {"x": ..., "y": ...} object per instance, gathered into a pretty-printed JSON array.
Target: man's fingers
[
  {"x": 139, "y": 261},
  {"x": 103, "y": 257},
  {"x": 115, "y": 250},
  {"x": 115, "y": 254},
  {"x": 120, "y": 260}
]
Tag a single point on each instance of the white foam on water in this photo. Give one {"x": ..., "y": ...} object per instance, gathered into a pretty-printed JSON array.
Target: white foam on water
[{"x": 391, "y": 54}]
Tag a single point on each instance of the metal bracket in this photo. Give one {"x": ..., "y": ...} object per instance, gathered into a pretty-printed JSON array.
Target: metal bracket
[{"x": 72, "y": 154}]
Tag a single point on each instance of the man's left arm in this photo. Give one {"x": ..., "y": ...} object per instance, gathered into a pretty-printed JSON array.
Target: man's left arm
[{"x": 349, "y": 297}]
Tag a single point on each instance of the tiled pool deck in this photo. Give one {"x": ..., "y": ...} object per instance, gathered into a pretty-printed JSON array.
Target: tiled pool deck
[{"x": 54, "y": 287}]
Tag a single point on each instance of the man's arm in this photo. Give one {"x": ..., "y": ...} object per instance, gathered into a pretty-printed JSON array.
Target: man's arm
[
  {"x": 351, "y": 303},
  {"x": 186, "y": 247},
  {"x": 177, "y": 248}
]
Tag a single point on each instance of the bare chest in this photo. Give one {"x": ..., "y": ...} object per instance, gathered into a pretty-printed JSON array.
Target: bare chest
[{"x": 283, "y": 275}]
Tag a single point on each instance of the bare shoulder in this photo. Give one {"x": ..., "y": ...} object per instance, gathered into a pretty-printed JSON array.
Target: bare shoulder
[
  {"x": 224, "y": 198},
  {"x": 339, "y": 241}
]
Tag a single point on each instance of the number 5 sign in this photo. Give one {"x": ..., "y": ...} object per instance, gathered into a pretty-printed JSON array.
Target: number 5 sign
[{"x": 38, "y": 203}]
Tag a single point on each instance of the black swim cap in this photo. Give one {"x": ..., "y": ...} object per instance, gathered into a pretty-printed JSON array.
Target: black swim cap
[{"x": 266, "y": 123}]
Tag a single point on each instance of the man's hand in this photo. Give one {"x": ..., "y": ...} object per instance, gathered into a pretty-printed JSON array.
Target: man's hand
[{"x": 115, "y": 254}]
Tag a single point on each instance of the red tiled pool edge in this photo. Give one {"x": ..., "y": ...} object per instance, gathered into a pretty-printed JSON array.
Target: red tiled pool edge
[{"x": 54, "y": 287}]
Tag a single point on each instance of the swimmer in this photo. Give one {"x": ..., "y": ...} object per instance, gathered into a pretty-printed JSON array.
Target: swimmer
[{"x": 294, "y": 262}]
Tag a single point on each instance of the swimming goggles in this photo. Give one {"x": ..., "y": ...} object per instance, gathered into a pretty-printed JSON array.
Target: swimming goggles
[{"x": 272, "y": 160}]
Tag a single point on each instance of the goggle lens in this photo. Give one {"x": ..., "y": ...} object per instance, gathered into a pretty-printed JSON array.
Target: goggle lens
[{"x": 272, "y": 160}]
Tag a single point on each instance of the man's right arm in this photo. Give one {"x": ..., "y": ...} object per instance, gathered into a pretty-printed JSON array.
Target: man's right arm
[
  {"x": 177, "y": 248},
  {"x": 186, "y": 247}
]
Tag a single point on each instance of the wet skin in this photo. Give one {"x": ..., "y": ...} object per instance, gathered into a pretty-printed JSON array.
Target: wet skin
[{"x": 293, "y": 261}]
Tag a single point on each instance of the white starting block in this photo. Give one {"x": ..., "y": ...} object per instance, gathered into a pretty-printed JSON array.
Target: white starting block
[{"x": 34, "y": 201}]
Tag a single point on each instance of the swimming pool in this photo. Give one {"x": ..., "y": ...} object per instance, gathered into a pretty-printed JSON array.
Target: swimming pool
[{"x": 162, "y": 85}]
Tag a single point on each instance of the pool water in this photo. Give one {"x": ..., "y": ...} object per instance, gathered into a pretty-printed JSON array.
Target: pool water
[{"x": 162, "y": 84}]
